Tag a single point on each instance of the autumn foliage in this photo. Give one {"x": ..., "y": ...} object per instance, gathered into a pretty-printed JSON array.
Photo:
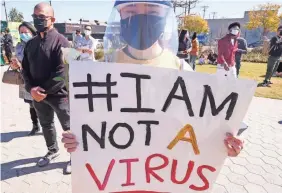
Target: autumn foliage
[
  {"x": 264, "y": 16},
  {"x": 195, "y": 23}
]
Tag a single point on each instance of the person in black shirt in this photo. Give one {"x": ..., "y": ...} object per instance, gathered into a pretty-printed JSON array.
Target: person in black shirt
[
  {"x": 212, "y": 57},
  {"x": 43, "y": 73},
  {"x": 275, "y": 53},
  {"x": 8, "y": 44}
]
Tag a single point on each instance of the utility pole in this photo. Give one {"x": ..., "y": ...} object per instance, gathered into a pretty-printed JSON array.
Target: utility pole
[
  {"x": 186, "y": 5},
  {"x": 4, "y": 4},
  {"x": 213, "y": 14},
  {"x": 50, "y": 3},
  {"x": 185, "y": 9},
  {"x": 204, "y": 10}
]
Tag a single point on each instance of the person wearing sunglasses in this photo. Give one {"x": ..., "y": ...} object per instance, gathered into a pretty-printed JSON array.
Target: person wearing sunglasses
[
  {"x": 44, "y": 73},
  {"x": 148, "y": 36}
]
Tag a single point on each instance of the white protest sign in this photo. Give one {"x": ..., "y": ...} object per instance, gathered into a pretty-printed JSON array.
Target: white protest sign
[{"x": 148, "y": 129}]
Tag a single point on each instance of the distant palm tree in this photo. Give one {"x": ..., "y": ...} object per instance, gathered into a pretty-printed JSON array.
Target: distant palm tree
[{"x": 15, "y": 16}]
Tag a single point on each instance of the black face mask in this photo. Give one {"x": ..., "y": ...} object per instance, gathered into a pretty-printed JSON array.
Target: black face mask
[
  {"x": 40, "y": 24},
  {"x": 142, "y": 31},
  {"x": 280, "y": 33}
]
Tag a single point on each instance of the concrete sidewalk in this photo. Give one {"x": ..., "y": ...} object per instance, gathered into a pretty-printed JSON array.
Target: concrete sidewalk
[{"x": 258, "y": 169}]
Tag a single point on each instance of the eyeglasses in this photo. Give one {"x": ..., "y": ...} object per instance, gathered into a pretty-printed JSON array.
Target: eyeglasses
[{"x": 40, "y": 17}]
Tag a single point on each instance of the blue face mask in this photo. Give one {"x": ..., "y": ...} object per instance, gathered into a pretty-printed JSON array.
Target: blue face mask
[
  {"x": 142, "y": 31},
  {"x": 25, "y": 36}
]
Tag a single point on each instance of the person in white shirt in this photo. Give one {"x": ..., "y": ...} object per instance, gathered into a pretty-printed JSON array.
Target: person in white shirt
[{"x": 88, "y": 45}]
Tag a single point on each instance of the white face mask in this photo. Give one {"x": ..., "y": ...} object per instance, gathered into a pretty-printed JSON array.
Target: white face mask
[
  {"x": 87, "y": 32},
  {"x": 235, "y": 32}
]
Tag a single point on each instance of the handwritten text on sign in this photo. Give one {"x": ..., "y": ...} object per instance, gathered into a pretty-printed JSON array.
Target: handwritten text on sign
[{"x": 145, "y": 129}]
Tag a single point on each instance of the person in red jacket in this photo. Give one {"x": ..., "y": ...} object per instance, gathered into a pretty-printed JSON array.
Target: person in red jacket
[{"x": 227, "y": 47}]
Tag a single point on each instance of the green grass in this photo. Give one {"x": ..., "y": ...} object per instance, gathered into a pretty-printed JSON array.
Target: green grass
[{"x": 254, "y": 71}]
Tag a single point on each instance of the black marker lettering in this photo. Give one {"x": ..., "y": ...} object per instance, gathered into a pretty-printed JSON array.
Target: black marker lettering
[
  {"x": 148, "y": 129},
  {"x": 139, "y": 108},
  {"x": 90, "y": 96},
  {"x": 179, "y": 82},
  {"x": 101, "y": 140},
  {"x": 112, "y": 132},
  {"x": 233, "y": 97}
]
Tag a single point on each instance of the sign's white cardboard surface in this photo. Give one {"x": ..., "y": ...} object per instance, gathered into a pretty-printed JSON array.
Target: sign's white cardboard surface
[{"x": 209, "y": 130}]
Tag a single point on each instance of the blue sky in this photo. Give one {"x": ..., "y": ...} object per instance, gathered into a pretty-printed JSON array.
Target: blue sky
[{"x": 100, "y": 10}]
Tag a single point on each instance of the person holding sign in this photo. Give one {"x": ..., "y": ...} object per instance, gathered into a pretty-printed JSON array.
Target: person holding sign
[
  {"x": 146, "y": 35},
  {"x": 146, "y": 32}
]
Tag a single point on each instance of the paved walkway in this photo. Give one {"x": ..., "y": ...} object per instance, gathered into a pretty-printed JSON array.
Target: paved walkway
[{"x": 258, "y": 169}]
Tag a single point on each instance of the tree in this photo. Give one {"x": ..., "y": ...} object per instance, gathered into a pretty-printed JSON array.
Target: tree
[
  {"x": 264, "y": 16},
  {"x": 187, "y": 5},
  {"x": 15, "y": 15},
  {"x": 195, "y": 23}
]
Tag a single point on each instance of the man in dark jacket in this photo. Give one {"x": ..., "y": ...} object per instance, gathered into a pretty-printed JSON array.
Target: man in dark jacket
[
  {"x": 44, "y": 73},
  {"x": 8, "y": 44},
  {"x": 242, "y": 49},
  {"x": 275, "y": 52}
]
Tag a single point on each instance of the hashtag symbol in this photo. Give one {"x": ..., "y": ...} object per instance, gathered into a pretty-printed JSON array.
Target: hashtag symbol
[{"x": 90, "y": 96}]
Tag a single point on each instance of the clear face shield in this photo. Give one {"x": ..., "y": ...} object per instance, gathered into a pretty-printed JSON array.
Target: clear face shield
[{"x": 140, "y": 29}]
